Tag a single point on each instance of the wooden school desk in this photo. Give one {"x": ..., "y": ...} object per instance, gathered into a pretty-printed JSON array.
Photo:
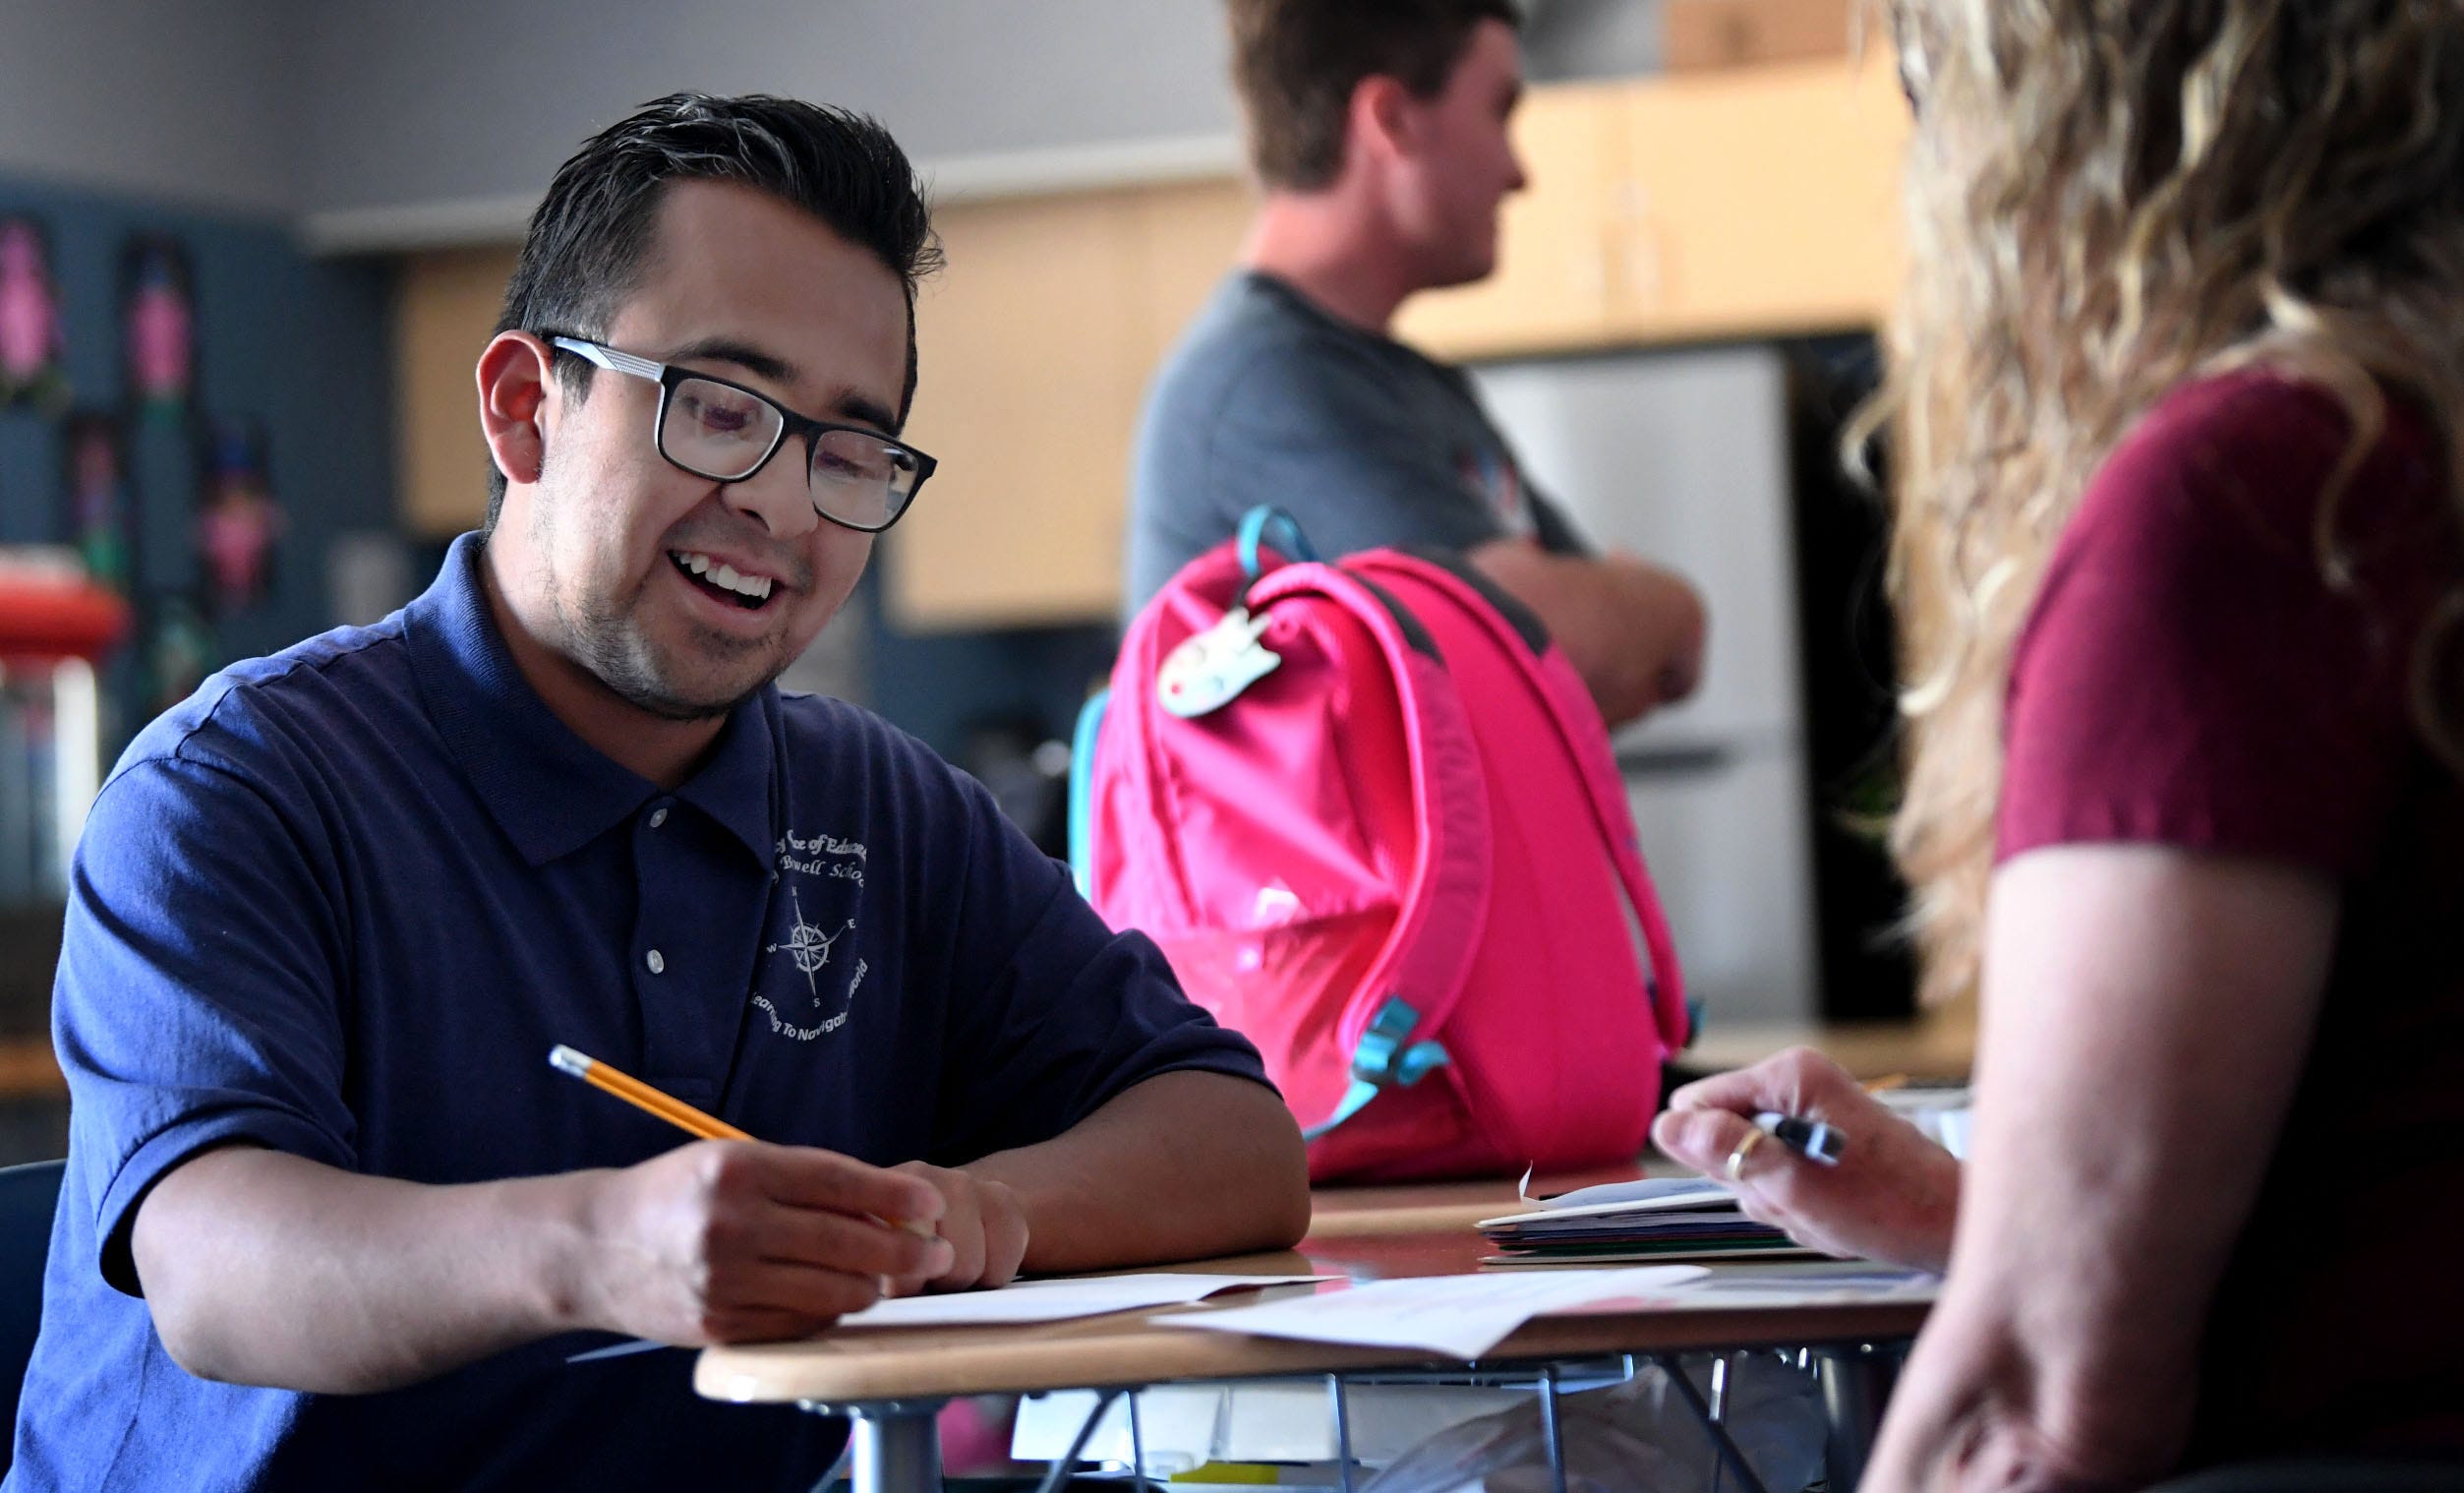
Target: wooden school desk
[
  {"x": 891, "y": 1383},
  {"x": 1936, "y": 1046}
]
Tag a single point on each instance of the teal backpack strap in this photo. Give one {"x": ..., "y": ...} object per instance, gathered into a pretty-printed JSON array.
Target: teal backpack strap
[
  {"x": 1082, "y": 790},
  {"x": 1267, "y": 522},
  {"x": 1381, "y": 1060}
]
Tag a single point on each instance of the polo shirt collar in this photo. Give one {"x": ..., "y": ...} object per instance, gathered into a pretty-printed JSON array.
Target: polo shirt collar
[
  {"x": 734, "y": 786},
  {"x": 549, "y": 791}
]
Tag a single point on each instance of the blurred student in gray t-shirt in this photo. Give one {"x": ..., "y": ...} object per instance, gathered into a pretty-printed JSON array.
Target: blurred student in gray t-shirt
[{"x": 1380, "y": 134}]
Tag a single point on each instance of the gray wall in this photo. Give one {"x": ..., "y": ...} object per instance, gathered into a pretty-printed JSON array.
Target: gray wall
[
  {"x": 456, "y": 100},
  {"x": 172, "y": 98},
  {"x": 457, "y": 111},
  {"x": 1592, "y": 39},
  {"x": 475, "y": 101}
]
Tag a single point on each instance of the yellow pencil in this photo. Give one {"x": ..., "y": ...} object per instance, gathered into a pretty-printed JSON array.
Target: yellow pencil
[
  {"x": 674, "y": 1110},
  {"x": 642, "y": 1096}
]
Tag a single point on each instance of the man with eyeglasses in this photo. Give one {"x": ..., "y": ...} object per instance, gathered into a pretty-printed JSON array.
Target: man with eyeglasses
[{"x": 329, "y": 1219}]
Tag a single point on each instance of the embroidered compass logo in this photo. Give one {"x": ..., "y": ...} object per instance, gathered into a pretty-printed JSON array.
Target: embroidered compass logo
[{"x": 808, "y": 948}]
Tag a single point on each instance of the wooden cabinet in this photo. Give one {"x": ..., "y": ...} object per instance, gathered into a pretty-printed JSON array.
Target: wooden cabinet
[
  {"x": 1764, "y": 200},
  {"x": 1025, "y": 391},
  {"x": 1034, "y": 346},
  {"x": 1696, "y": 35},
  {"x": 445, "y": 308},
  {"x": 1749, "y": 203}
]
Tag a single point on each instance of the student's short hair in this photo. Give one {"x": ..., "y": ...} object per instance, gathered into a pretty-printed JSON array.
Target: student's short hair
[
  {"x": 1296, "y": 63},
  {"x": 592, "y": 235}
]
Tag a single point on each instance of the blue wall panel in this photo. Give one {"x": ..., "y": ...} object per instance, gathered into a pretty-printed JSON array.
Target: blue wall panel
[{"x": 294, "y": 343}]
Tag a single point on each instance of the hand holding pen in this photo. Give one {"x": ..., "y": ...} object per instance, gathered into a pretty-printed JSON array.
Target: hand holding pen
[
  {"x": 1809, "y": 1151},
  {"x": 1818, "y": 1141}
]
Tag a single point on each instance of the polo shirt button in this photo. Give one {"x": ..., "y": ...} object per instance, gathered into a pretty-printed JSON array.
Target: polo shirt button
[
  {"x": 657, "y": 961},
  {"x": 658, "y": 816}
]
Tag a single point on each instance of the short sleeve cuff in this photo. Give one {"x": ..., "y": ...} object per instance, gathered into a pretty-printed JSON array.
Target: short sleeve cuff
[
  {"x": 1231, "y": 1062},
  {"x": 183, "y": 1140},
  {"x": 2313, "y": 840}
]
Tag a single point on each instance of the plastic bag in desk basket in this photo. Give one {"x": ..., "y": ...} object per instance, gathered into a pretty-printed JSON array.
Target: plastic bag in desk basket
[{"x": 1635, "y": 1437}]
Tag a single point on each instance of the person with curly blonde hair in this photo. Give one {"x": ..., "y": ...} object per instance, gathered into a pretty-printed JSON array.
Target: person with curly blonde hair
[{"x": 2174, "y": 408}]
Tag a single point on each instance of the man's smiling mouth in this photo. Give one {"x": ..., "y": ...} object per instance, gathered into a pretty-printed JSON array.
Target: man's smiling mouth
[{"x": 751, "y": 592}]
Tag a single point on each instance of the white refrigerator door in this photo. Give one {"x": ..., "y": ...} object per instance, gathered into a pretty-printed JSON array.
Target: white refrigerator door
[
  {"x": 1728, "y": 849},
  {"x": 1683, "y": 458}
]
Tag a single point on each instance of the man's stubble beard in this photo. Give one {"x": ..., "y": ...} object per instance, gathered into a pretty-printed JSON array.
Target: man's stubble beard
[
  {"x": 608, "y": 645},
  {"x": 612, "y": 648}
]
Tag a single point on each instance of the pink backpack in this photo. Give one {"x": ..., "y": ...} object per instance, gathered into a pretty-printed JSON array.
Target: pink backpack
[{"x": 1371, "y": 817}]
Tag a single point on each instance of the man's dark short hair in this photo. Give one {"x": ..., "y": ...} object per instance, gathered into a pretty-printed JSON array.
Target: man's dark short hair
[
  {"x": 592, "y": 235},
  {"x": 1297, "y": 62}
]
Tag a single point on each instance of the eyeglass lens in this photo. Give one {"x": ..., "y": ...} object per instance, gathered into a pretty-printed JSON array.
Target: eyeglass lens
[{"x": 724, "y": 433}]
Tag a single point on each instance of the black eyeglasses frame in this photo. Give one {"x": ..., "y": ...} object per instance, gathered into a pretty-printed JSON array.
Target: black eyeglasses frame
[{"x": 668, "y": 376}]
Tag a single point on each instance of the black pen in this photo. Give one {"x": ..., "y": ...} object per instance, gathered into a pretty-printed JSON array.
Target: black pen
[{"x": 1818, "y": 1141}]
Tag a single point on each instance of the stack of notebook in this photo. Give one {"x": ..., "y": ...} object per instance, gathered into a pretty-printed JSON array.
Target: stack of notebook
[{"x": 1658, "y": 1219}]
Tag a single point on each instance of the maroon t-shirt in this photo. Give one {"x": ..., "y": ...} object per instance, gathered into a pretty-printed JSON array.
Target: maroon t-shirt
[{"x": 2189, "y": 678}]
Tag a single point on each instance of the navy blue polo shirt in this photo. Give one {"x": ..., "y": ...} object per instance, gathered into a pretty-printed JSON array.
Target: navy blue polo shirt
[{"x": 342, "y": 902}]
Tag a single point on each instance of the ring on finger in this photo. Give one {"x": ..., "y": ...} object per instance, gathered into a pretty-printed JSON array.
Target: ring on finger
[{"x": 1744, "y": 1149}]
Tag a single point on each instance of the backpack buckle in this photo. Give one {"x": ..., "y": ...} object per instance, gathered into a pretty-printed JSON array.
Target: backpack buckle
[{"x": 1383, "y": 1058}]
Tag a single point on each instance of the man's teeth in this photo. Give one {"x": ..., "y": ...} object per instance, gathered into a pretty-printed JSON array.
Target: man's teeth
[{"x": 719, "y": 573}]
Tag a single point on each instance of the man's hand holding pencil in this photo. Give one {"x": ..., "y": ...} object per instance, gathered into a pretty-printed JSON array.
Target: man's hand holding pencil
[
  {"x": 735, "y": 1242},
  {"x": 739, "y": 1241}
]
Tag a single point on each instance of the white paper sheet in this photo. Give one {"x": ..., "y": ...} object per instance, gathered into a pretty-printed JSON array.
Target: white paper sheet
[
  {"x": 1055, "y": 1300},
  {"x": 1460, "y": 1316},
  {"x": 1020, "y": 1301}
]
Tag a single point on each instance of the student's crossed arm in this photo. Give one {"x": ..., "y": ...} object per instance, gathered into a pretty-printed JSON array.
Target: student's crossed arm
[{"x": 1632, "y": 630}]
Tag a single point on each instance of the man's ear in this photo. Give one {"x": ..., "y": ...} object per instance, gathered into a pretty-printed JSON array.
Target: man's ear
[
  {"x": 1381, "y": 121},
  {"x": 513, "y": 395}
]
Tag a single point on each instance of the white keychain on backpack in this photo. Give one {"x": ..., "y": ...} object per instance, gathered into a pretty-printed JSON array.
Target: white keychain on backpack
[{"x": 1210, "y": 669}]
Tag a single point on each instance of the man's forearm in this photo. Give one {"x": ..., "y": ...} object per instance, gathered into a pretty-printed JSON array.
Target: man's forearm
[
  {"x": 1234, "y": 1178},
  {"x": 264, "y": 1268},
  {"x": 1632, "y": 630},
  {"x": 267, "y": 1269}
]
